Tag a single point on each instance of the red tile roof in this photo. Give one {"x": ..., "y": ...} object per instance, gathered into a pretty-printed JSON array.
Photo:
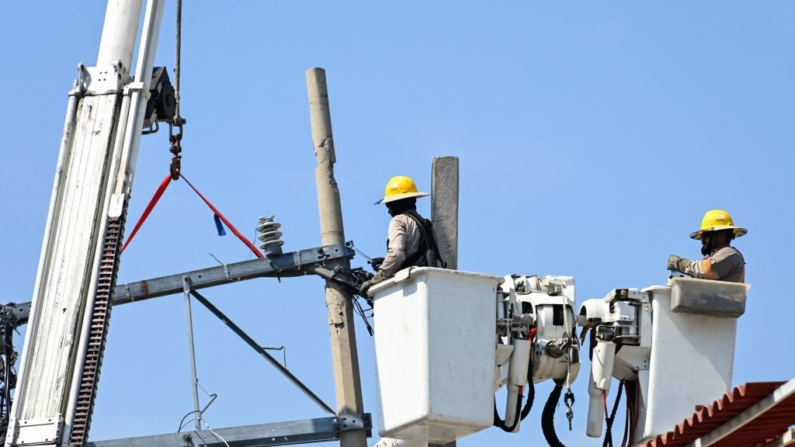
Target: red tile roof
[{"x": 770, "y": 424}]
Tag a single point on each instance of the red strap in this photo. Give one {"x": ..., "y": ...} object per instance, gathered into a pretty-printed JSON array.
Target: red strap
[
  {"x": 228, "y": 224},
  {"x": 160, "y": 190}
]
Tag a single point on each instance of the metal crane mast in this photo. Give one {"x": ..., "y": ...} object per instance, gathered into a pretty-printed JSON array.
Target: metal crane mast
[{"x": 68, "y": 322}]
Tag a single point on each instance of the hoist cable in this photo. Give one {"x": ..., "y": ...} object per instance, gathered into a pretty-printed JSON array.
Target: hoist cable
[
  {"x": 175, "y": 140},
  {"x": 177, "y": 59}
]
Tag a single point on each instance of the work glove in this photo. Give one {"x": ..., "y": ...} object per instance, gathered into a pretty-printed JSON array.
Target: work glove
[
  {"x": 677, "y": 263},
  {"x": 376, "y": 263},
  {"x": 673, "y": 262},
  {"x": 365, "y": 289}
]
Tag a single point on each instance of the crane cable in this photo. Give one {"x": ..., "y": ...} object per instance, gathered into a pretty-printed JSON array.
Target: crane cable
[
  {"x": 175, "y": 140},
  {"x": 177, "y": 58},
  {"x": 176, "y": 148}
]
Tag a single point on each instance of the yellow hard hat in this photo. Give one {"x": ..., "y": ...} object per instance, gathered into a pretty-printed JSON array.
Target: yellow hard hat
[
  {"x": 400, "y": 187},
  {"x": 716, "y": 220}
]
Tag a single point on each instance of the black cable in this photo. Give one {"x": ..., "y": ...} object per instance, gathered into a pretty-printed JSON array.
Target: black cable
[
  {"x": 360, "y": 311},
  {"x": 632, "y": 407},
  {"x": 548, "y": 417},
  {"x": 531, "y": 391},
  {"x": 609, "y": 431},
  {"x": 8, "y": 374},
  {"x": 501, "y": 424},
  {"x": 177, "y": 64},
  {"x": 183, "y": 419}
]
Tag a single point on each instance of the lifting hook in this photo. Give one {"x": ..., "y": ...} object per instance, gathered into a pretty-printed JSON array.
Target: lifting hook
[{"x": 175, "y": 143}]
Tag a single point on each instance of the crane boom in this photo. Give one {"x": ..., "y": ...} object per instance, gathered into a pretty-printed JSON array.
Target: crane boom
[{"x": 68, "y": 322}]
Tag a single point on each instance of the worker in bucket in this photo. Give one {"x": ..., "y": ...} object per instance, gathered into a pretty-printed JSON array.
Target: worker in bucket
[
  {"x": 411, "y": 241},
  {"x": 722, "y": 262}
]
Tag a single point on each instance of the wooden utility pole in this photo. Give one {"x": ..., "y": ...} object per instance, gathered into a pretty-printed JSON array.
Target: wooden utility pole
[
  {"x": 339, "y": 302},
  {"x": 444, "y": 214}
]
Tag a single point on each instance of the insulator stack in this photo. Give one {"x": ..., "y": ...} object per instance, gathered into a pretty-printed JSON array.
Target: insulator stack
[{"x": 270, "y": 239}]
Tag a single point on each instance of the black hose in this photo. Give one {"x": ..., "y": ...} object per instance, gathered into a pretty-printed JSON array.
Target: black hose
[
  {"x": 548, "y": 417},
  {"x": 501, "y": 424},
  {"x": 609, "y": 431},
  {"x": 632, "y": 408},
  {"x": 531, "y": 392}
]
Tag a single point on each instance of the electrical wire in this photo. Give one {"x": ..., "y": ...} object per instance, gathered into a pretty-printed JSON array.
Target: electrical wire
[
  {"x": 214, "y": 433},
  {"x": 358, "y": 306},
  {"x": 182, "y": 422},
  {"x": 361, "y": 253}
]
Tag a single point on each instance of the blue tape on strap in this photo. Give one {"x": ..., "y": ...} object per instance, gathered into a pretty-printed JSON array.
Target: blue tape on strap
[{"x": 219, "y": 226}]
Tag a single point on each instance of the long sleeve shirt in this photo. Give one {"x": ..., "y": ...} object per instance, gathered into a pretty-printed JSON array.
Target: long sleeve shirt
[
  {"x": 404, "y": 239},
  {"x": 724, "y": 264}
]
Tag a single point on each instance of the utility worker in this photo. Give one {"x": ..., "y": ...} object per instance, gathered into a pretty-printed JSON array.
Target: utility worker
[
  {"x": 408, "y": 243},
  {"x": 722, "y": 261}
]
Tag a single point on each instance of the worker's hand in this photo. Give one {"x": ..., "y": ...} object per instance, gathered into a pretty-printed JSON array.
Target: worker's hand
[
  {"x": 365, "y": 289},
  {"x": 376, "y": 263},
  {"x": 682, "y": 267},
  {"x": 673, "y": 262}
]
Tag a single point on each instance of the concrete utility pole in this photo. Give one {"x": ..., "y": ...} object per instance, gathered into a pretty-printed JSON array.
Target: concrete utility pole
[
  {"x": 444, "y": 214},
  {"x": 444, "y": 207},
  {"x": 338, "y": 301}
]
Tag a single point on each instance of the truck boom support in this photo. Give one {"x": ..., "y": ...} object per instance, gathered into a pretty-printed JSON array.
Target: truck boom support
[{"x": 67, "y": 327}]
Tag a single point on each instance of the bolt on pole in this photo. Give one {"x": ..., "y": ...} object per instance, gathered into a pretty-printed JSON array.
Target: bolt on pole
[{"x": 339, "y": 302}]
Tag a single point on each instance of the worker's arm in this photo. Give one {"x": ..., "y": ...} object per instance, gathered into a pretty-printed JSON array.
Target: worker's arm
[
  {"x": 720, "y": 265},
  {"x": 396, "y": 252},
  {"x": 699, "y": 268}
]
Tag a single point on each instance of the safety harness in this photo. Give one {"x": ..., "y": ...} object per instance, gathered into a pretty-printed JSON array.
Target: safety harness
[{"x": 427, "y": 254}]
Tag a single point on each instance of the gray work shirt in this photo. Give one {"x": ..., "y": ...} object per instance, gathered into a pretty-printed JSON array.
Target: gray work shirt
[
  {"x": 404, "y": 239},
  {"x": 723, "y": 264}
]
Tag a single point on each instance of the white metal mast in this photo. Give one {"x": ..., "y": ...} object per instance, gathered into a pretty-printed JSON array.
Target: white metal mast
[{"x": 67, "y": 327}]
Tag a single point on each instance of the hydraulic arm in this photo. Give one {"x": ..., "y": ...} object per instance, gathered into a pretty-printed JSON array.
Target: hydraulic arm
[{"x": 68, "y": 322}]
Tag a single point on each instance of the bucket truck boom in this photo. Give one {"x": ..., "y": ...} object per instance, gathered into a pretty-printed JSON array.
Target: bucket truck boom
[
  {"x": 68, "y": 322},
  {"x": 674, "y": 344},
  {"x": 446, "y": 340}
]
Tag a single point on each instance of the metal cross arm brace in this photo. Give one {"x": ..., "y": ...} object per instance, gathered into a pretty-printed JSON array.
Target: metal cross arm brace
[
  {"x": 260, "y": 350},
  {"x": 292, "y": 264},
  {"x": 280, "y": 433}
]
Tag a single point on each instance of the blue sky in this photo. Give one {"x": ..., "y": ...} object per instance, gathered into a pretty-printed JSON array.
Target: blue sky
[{"x": 591, "y": 137}]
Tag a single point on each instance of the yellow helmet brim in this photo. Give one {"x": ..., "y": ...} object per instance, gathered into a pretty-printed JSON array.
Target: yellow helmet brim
[
  {"x": 396, "y": 197},
  {"x": 738, "y": 231}
]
